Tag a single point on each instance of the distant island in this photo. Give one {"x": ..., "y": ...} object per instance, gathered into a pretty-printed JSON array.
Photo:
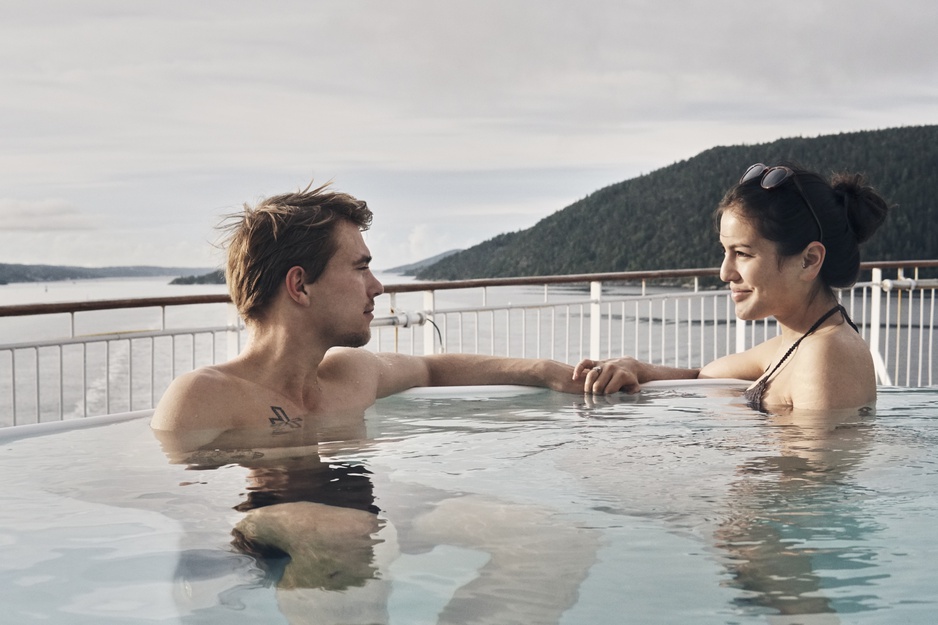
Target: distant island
[
  {"x": 10, "y": 273},
  {"x": 213, "y": 277},
  {"x": 663, "y": 219},
  {"x": 218, "y": 276}
]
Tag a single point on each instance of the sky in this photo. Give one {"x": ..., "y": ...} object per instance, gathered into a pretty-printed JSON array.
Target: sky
[{"x": 129, "y": 130}]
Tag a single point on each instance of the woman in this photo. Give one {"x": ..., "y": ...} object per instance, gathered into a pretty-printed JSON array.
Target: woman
[{"x": 789, "y": 238}]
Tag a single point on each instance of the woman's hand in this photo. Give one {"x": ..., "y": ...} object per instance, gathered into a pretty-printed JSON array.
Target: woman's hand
[{"x": 608, "y": 376}]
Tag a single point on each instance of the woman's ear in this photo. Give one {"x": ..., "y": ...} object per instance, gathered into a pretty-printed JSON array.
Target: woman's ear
[
  {"x": 812, "y": 258},
  {"x": 295, "y": 283}
]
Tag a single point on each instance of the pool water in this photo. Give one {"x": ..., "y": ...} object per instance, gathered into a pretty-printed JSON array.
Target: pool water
[{"x": 484, "y": 505}]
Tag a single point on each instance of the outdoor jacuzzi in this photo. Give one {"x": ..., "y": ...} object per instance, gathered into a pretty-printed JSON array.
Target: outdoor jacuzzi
[{"x": 488, "y": 505}]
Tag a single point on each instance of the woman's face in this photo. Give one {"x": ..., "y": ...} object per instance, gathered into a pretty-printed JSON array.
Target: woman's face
[{"x": 762, "y": 283}]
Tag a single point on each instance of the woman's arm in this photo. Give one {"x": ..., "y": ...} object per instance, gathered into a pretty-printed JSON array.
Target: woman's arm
[
  {"x": 628, "y": 374},
  {"x": 604, "y": 377}
]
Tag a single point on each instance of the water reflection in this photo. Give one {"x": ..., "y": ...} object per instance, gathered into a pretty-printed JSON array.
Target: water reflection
[
  {"x": 340, "y": 543},
  {"x": 310, "y": 524},
  {"x": 796, "y": 527}
]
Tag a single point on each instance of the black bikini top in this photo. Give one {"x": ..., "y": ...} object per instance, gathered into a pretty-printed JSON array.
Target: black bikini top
[{"x": 755, "y": 392}]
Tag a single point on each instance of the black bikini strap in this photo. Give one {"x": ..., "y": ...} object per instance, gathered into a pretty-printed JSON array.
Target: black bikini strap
[
  {"x": 843, "y": 311},
  {"x": 817, "y": 324},
  {"x": 825, "y": 317}
]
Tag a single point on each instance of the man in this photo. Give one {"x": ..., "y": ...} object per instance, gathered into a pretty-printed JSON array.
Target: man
[{"x": 299, "y": 271}]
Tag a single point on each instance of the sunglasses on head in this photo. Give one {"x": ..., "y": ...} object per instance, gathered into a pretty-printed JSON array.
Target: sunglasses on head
[{"x": 774, "y": 177}]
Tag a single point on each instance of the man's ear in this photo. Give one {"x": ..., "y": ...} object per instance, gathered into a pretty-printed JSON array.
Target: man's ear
[
  {"x": 812, "y": 258},
  {"x": 295, "y": 283}
]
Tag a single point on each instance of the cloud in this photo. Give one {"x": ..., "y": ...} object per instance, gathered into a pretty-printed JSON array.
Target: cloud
[
  {"x": 467, "y": 118},
  {"x": 99, "y": 248},
  {"x": 42, "y": 215},
  {"x": 421, "y": 84}
]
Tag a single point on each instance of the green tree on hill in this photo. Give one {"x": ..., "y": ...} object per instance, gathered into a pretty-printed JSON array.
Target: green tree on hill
[{"x": 662, "y": 220}]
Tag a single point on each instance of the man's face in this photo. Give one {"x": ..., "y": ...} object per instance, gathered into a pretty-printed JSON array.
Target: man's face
[{"x": 344, "y": 295}]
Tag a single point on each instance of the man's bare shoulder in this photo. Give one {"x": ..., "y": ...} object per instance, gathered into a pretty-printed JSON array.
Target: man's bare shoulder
[
  {"x": 342, "y": 357},
  {"x": 354, "y": 364},
  {"x": 204, "y": 398},
  {"x": 371, "y": 375}
]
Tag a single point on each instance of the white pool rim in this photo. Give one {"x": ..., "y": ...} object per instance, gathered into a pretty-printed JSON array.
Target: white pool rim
[{"x": 30, "y": 430}]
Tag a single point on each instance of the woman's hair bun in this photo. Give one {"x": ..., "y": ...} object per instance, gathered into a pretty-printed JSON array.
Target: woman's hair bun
[{"x": 865, "y": 209}]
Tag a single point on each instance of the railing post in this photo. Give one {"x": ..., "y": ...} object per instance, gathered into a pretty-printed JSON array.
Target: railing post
[
  {"x": 234, "y": 332},
  {"x": 596, "y": 298},
  {"x": 397, "y": 334},
  {"x": 429, "y": 306},
  {"x": 740, "y": 334},
  {"x": 882, "y": 374}
]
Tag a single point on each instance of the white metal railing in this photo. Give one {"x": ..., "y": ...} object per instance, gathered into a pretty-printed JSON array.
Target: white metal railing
[{"x": 121, "y": 361}]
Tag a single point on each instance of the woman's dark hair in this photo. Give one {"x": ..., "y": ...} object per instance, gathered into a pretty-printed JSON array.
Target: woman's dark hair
[{"x": 848, "y": 209}]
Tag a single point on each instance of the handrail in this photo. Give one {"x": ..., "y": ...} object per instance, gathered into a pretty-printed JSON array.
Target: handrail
[
  {"x": 412, "y": 287},
  {"x": 909, "y": 285},
  {"x": 110, "y": 304},
  {"x": 108, "y": 337}
]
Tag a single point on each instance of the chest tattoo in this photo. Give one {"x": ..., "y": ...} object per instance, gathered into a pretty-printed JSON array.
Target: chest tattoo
[{"x": 281, "y": 421}]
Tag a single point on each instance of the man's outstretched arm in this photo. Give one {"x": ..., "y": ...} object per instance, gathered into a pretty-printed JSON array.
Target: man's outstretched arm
[{"x": 400, "y": 372}]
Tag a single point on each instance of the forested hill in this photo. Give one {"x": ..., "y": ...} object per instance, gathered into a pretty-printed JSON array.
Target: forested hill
[{"x": 662, "y": 220}]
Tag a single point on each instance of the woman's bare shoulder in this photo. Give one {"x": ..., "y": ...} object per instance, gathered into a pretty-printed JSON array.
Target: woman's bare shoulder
[
  {"x": 840, "y": 344},
  {"x": 834, "y": 370}
]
